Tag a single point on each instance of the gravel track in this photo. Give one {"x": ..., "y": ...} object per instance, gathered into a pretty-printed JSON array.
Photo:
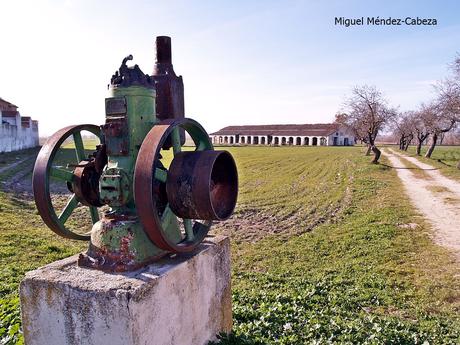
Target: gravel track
[{"x": 435, "y": 196}]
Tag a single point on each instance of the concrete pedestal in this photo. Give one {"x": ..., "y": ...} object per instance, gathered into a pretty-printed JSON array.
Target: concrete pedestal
[{"x": 182, "y": 300}]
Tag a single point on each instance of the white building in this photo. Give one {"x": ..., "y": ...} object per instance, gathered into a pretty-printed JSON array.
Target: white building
[
  {"x": 16, "y": 132},
  {"x": 329, "y": 134}
]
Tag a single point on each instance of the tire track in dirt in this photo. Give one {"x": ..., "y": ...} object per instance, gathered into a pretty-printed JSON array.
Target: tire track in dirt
[
  {"x": 17, "y": 177},
  {"x": 21, "y": 182},
  {"x": 13, "y": 165},
  {"x": 437, "y": 198},
  {"x": 254, "y": 225}
]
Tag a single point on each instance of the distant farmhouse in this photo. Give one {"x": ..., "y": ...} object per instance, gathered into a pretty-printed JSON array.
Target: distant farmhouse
[
  {"x": 16, "y": 132},
  {"x": 322, "y": 134}
]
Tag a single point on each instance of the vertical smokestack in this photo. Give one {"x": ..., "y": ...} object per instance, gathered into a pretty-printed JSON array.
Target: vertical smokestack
[
  {"x": 163, "y": 49},
  {"x": 169, "y": 87}
]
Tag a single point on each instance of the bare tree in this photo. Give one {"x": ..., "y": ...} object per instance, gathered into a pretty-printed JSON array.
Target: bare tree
[
  {"x": 441, "y": 122},
  {"x": 455, "y": 96},
  {"x": 366, "y": 112},
  {"x": 446, "y": 110},
  {"x": 403, "y": 129},
  {"x": 422, "y": 123}
]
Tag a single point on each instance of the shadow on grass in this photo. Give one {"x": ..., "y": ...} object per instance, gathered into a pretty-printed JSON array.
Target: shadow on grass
[
  {"x": 407, "y": 168},
  {"x": 446, "y": 164},
  {"x": 232, "y": 339}
]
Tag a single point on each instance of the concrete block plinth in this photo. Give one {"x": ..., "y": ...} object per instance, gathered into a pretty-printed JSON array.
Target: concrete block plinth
[{"x": 181, "y": 300}]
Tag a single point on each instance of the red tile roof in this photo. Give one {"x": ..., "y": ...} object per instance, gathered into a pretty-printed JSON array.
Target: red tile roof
[
  {"x": 7, "y": 104},
  {"x": 319, "y": 129}
]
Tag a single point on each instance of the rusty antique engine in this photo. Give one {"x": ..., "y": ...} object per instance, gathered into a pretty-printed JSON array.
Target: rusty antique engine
[{"x": 147, "y": 193}]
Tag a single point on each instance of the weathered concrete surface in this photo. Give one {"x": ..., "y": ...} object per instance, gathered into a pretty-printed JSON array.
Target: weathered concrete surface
[{"x": 182, "y": 300}]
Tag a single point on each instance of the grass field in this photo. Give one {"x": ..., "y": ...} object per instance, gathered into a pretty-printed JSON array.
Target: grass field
[
  {"x": 325, "y": 249},
  {"x": 445, "y": 158}
]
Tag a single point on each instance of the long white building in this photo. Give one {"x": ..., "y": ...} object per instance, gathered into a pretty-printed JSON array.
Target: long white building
[
  {"x": 16, "y": 132},
  {"x": 322, "y": 134}
]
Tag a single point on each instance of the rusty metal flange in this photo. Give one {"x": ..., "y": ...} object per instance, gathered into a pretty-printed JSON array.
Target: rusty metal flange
[{"x": 202, "y": 185}]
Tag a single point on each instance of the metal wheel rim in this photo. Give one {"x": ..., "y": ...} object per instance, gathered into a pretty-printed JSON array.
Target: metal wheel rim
[
  {"x": 144, "y": 179},
  {"x": 41, "y": 176}
]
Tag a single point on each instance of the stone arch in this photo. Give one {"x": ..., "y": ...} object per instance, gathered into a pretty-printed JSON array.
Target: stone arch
[
  {"x": 322, "y": 141},
  {"x": 283, "y": 140},
  {"x": 306, "y": 141},
  {"x": 249, "y": 139},
  {"x": 255, "y": 140},
  {"x": 231, "y": 140},
  {"x": 243, "y": 140},
  {"x": 291, "y": 140},
  {"x": 276, "y": 141},
  {"x": 314, "y": 141},
  {"x": 262, "y": 141},
  {"x": 298, "y": 141}
]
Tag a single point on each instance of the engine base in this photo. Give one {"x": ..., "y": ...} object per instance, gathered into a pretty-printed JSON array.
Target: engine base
[{"x": 119, "y": 243}]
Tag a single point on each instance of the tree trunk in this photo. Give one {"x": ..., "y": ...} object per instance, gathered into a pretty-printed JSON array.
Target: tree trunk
[
  {"x": 368, "y": 152},
  {"x": 419, "y": 147},
  {"x": 377, "y": 154},
  {"x": 434, "y": 141},
  {"x": 407, "y": 146}
]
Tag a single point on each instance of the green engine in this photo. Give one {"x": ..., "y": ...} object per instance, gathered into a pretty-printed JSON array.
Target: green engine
[{"x": 148, "y": 193}]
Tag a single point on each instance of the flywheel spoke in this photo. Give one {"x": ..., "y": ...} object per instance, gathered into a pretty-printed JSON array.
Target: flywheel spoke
[
  {"x": 67, "y": 211},
  {"x": 188, "y": 229},
  {"x": 94, "y": 214},
  {"x": 175, "y": 138},
  {"x": 201, "y": 146},
  {"x": 79, "y": 148},
  {"x": 61, "y": 174},
  {"x": 169, "y": 221},
  {"x": 166, "y": 214},
  {"x": 161, "y": 175}
]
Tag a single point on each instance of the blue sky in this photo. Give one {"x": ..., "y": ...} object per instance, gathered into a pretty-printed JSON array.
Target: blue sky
[{"x": 243, "y": 62}]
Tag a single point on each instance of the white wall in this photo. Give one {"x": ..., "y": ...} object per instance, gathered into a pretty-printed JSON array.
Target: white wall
[
  {"x": 13, "y": 137},
  {"x": 341, "y": 134}
]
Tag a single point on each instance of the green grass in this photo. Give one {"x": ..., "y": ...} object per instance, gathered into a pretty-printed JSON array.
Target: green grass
[
  {"x": 365, "y": 278},
  {"x": 291, "y": 190},
  {"x": 343, "y": 269},
  {"x": 445, "y": 158},
  {"x": 25, "y": 243}
]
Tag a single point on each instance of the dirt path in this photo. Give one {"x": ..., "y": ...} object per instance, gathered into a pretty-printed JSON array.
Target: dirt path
[
  {"x": 19, "y": 183},
  {"x": 435, "y": 196},
  {"x": 12, "y": 165}
]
